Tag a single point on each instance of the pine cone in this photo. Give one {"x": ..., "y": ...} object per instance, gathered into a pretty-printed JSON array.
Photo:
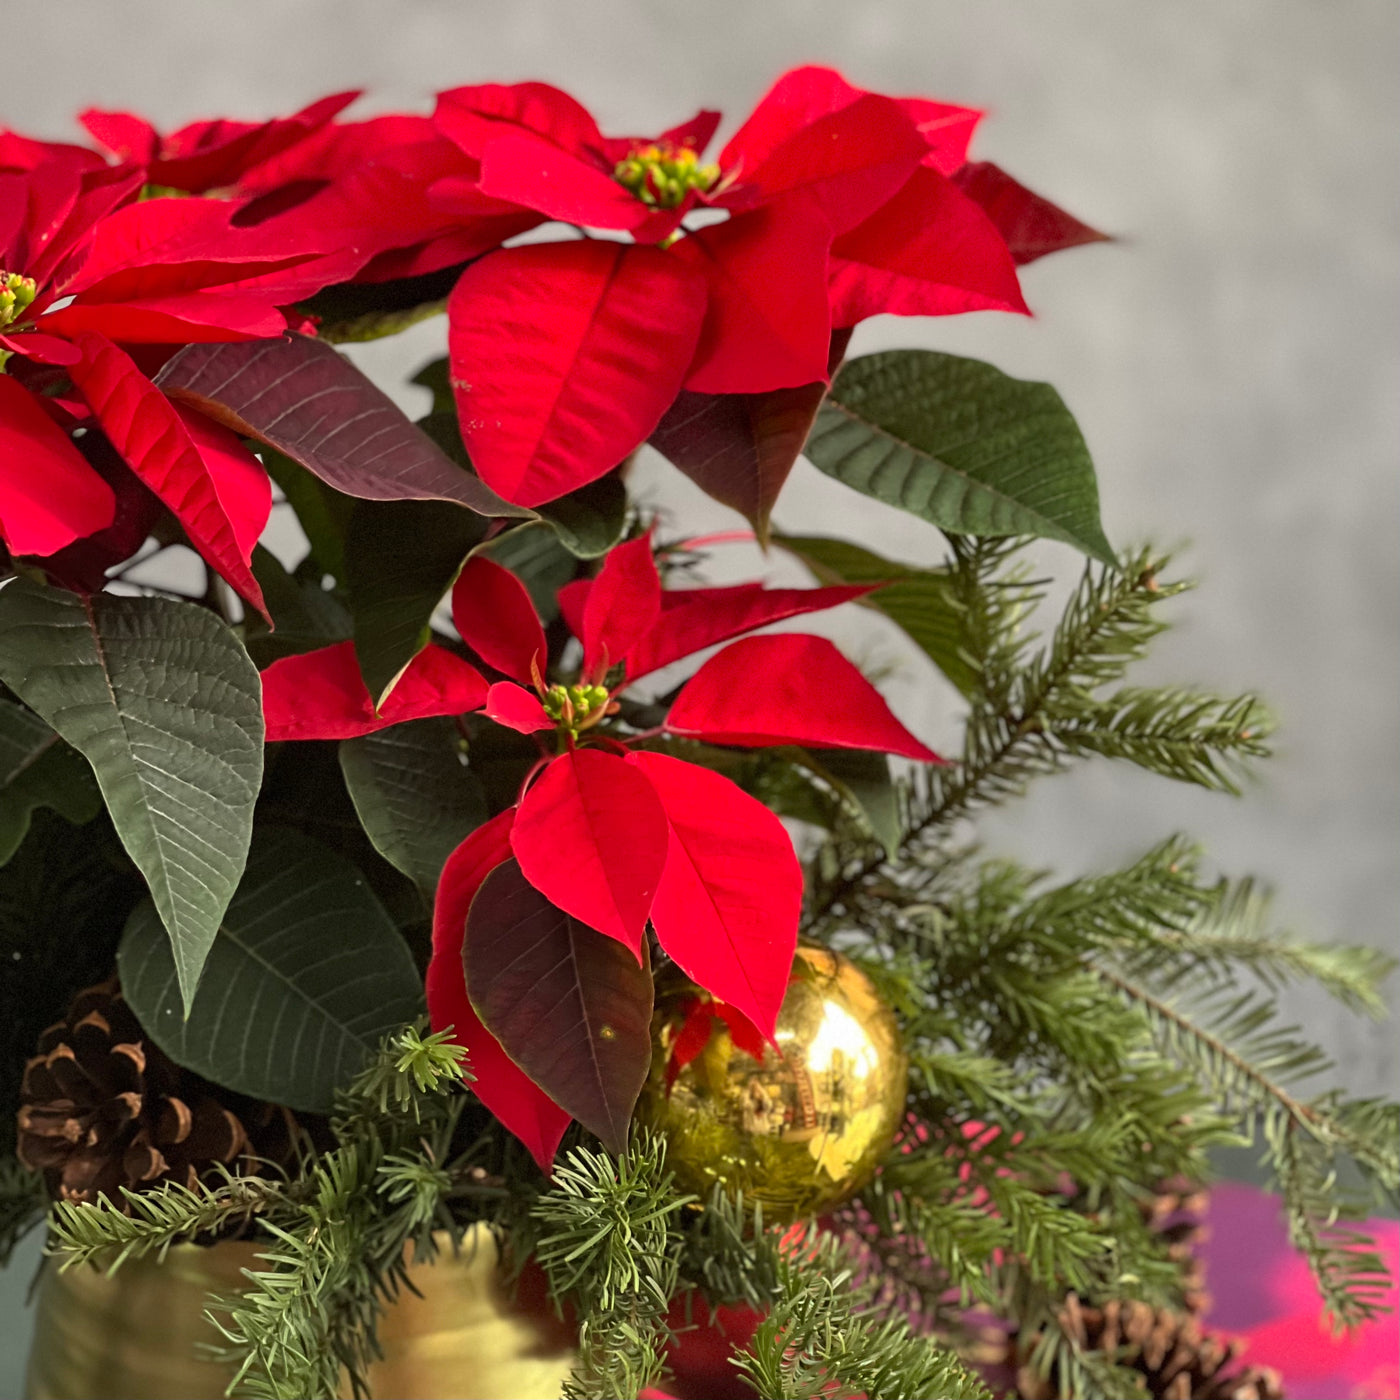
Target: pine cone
[
  {"x": 1176, "y": 1357},
  {"x": 1177, "y": 1212},
  {"x": 103, "y": 1107}
]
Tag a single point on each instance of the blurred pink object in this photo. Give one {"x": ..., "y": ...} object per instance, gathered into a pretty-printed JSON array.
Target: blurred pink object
[{"x": 1263, "y": 1292}]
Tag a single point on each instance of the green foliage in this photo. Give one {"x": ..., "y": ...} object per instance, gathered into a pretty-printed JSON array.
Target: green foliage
[
  {"x": 23, "y": 1201},
  {"x": 37, "y": 769},
  {"x": 920, "y": 601},
  {"x": 961, "y": 445},
  {"x": 415, "y": 794},
  {"x": 589, "y": 521},
  {"x": 401, "y": 557},
  {"x": 306, "y": 975},
  {"x": 161, "y": 698},
  {"x": 306, "y": 615}
]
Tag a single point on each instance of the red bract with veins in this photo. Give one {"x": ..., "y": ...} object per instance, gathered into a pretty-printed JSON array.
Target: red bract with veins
[
  {"x": 608, "y": 836},
  {"x": 90, "y": 284}
]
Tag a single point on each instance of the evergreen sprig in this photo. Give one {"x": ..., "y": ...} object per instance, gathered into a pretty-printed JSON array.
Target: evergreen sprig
[{"x": 23, "y": 1201}]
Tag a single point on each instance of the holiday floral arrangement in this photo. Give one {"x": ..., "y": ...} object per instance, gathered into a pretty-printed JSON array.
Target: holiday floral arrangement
[{"x": 490, "y": 863}]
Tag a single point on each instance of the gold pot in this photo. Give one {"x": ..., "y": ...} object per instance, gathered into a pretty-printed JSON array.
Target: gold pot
[{"x": 136, "y": 1335}]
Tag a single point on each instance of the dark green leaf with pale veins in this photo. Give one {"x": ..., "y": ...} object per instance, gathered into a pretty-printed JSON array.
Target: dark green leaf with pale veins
[
  {"x": 306, "y": 975},
  {"x": 414, "y": 793},
  {"x": 161, "y": 698},
  {"x": 961, "y": 445},
  {"x": 37, "y": 769}
]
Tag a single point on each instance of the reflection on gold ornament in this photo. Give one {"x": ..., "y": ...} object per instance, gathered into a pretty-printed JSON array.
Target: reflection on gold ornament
[
  {"x": 138, "y": 1334},
  {"x": 799, "y": 1130}
]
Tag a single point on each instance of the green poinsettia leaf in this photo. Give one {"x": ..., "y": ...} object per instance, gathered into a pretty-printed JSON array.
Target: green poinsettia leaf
[
  {"x": 401, "y": 557},
  {"x": 414, "y": 794},
  {"x": 961, "y": 445},
  {"x": 37, "y": 769},
  {"x": 919, "y": 601},
  {"x": 535, "y": 555},
  {"x": 165, "y": 704},
  {"x": 306, "y": 975},
  {"x": 592, "y": 519},
  {"x": 863, "y": 782},
  {"x": 307, "y": 615},
  {"x": 586, "y": 522},
  {"x": 322, "y": 512}
]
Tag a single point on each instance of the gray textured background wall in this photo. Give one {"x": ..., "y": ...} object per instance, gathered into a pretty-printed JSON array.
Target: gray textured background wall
[{"x": 1233, "y": 360}]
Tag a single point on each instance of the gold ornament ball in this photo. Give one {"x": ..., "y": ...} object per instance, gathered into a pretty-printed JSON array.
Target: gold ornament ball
[{"x": 800, "y": 1131}]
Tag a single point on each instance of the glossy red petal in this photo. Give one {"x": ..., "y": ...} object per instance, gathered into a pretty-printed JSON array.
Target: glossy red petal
[
  {"x": 1030, "y": 224},
  {"x": 691, "y": 623},
  {"x": 492, "y": 610},
  {"x": 521, "y": 1105},
  {"x": 43, "y": 349},
  {"x": 49, "y": 496},
  {"x": 798, "y": 98},
  {"x": 946, "y": 130},
  {"x": 622, "y": 606},
  {"x": 241, "y": 481},
  {"x": 768, "y": 323},
  {"x": 145, "y": 428},
  {"x": 321, "y": 694},
  {"x": 789, "y": 689},
  {"x": 198, "y": 317},
  {"x": 930, "y": 251},
  {"x": 472, "y": 116},
  {"x": 565, "y": 356},
  {"x": 126, "y": 135},
  {"x": 591, "y": 836},
  {"x": 731, "y": 893},
  {"x": 848, "y": 162},
  {"x": 516, "y": 708},
  {"x": 573, "y": 599},
  {"x": 531, "y": 172}
]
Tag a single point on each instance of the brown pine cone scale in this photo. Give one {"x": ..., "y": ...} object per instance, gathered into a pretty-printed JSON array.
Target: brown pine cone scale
[{"x": 102, "y": 1107}]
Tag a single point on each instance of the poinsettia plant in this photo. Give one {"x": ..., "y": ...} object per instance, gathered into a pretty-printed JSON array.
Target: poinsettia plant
[{"x": 459, "y": 753}]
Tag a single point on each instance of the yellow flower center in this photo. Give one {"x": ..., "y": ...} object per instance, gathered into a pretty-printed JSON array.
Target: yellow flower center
[
  {"x": 16, "y": 292},
  {"x": 575, "y": 707},
  {"x": 662, "y": 174}
]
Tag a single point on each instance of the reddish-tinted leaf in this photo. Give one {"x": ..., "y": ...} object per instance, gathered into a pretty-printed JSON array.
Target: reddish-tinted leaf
[
  {"x": 739, "y": 448},
  {"x": 321, "y": 694},
  {"x": 150, "y": 435},
  {"x": 789, "y": 689},
  {"x": 591, "y": 835},
  {"x": 622, "y": 605},
  {"x": 1031, "y": 225},
  {"x": 729, "y": 899},
  {"x": 516, "y": 708},
  {"x": 693, "y": 619},
  {"x": 768, "y": 323},
  {"x": 492, "y": 610},
  {"x": 570, "y": 1007},
  {"x": 303, "y": 398},
  {"x": 930, "y": 251},
  {"x": 49, "y": 496},
  {"x": 500, "y": 1084},
  {"x": 565, "y": 356}
]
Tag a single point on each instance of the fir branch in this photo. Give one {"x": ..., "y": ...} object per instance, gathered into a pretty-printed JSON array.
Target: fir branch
[
  {"x": 609, "y": 1241},
  {"x": 23, "y": 1202},
  {"x": 107, "y": 1234}
]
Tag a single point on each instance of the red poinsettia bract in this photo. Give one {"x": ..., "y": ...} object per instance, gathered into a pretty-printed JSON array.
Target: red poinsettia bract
[
  {"x": 92, "y": 285},
  {"x": 608, "y": 835},
  {"x": 835, "y": 205}
]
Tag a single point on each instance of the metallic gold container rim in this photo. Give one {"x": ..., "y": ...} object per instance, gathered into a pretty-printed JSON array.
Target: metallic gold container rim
[{"x": 136, "y": 1334}]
